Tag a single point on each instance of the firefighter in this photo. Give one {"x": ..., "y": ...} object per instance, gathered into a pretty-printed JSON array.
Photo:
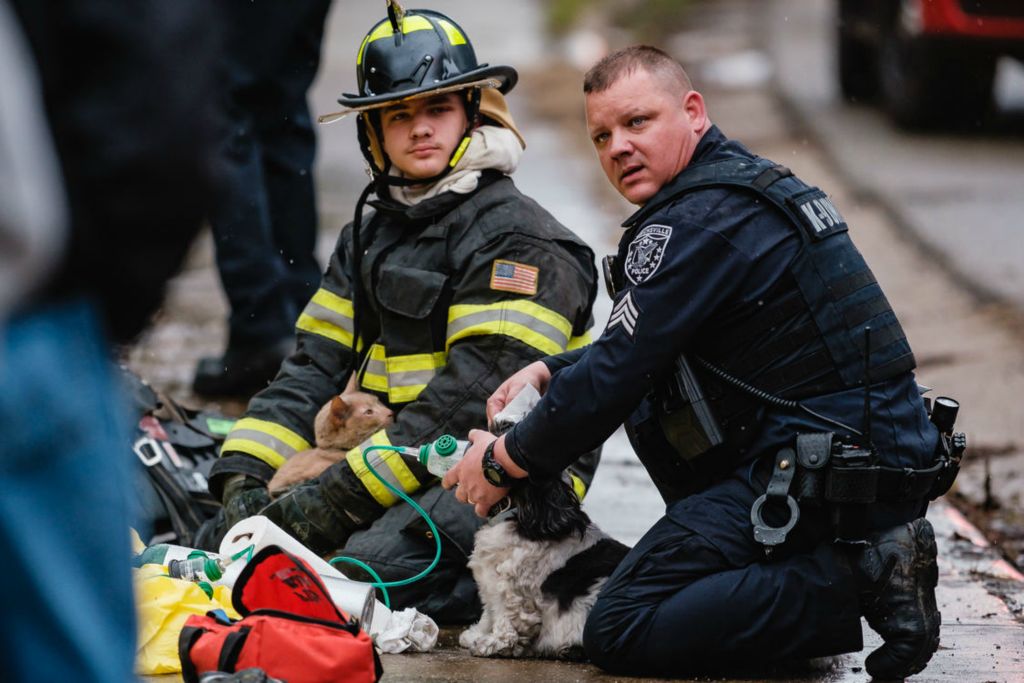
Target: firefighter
[
  {"x": 747, "y": 335},
  {"x": 455, "y": 281}
]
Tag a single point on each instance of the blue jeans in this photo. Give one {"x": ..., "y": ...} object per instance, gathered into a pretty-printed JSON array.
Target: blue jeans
[{"x": 67, "y": 612}]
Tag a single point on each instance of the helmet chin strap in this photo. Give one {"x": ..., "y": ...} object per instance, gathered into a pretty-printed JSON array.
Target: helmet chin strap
[
  {"x": 380, "y": 180},
  {"x": 386, "y": 179}
]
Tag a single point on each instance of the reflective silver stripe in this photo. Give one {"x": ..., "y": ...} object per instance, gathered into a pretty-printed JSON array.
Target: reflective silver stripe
[
  {"x": 525, "y": 319},
  {"x": 410, "y": 378},
  {"x": 376, "y": 460},
  {"x": 275, "y": 444},
  {"x": 376, "y": 367},
  {"x": 315, "y": 310}
]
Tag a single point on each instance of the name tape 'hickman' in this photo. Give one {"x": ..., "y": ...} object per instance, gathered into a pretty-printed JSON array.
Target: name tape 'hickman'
[{"x": 821, "y": 214}]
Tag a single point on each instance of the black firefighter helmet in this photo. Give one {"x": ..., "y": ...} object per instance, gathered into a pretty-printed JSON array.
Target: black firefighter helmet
[
  {"x": 417, "y": 53},
  {"x": 412, "y": 54}
]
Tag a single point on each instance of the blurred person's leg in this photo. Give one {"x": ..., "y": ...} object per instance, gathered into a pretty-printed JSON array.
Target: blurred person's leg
[
  {"x": 289, "y": 150},
  {"x": 265, "y": 223},
  {"x": 67, "y": 612}
]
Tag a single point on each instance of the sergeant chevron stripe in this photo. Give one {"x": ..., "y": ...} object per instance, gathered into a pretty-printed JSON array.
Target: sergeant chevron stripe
[{"x": 625, "y": 313}]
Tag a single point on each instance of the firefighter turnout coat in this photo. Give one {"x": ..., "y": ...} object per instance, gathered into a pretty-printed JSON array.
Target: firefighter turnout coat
[{"x": 459, "y": 292}]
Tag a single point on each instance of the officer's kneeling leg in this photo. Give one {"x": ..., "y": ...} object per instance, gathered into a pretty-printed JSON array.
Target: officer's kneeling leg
[{"x": 677, "y": 604}]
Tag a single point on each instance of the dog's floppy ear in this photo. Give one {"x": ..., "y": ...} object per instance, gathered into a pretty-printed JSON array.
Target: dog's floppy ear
[{"x": 548, "y": 510}]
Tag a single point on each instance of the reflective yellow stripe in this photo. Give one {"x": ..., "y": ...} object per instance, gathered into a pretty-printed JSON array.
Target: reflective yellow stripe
[
  {"x": 375, "y": 376},
  {"x": 579, "y": 342},
  {"x": 578, "y": 487},
  {"x": 455, "y": 36},
  {"x": 383, "y": 30},
  {"x": 402, "y": 378},
  {"x": 388, "y": 464},
  {"x": 268, "y": 441},
  {"x": 328, "y": 315},
  {"x": 524, "y": 320},
  {"x": 257, "y": 450},
  {"x": 416, "y": 361},
  {"x": 459, "y": 152},
  {"x": 409, "y": 375}
]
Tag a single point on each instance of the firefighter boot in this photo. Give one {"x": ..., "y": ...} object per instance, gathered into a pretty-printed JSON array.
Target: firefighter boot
[{"x": 899, "y": 574}]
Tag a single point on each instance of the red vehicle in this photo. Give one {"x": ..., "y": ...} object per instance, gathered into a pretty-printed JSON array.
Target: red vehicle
[{"x": 930, "y": 61}]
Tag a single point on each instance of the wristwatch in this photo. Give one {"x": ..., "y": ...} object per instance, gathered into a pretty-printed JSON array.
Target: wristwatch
[{"x": 494, "y": 473}]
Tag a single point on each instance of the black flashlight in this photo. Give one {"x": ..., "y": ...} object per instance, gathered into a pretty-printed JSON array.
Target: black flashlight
[{"x": 944, "y": 412}]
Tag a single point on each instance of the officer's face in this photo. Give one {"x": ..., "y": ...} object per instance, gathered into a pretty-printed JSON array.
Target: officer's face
[
  {"x": 420, "y": 135},
  {"x": 644, "y": 133}
]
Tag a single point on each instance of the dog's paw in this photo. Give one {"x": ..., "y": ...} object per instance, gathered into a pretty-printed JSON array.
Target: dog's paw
[
  {"x": 469, "y": 637},
  {"x": 491, "y": 645}
]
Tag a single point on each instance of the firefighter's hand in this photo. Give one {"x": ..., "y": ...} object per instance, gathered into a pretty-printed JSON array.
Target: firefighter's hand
[
  {"x": 535, "y": 373},
  {"x": 467, "y": 477}
]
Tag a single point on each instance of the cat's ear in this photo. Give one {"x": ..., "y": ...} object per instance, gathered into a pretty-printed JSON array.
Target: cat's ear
[{"x": 339, "y": 408}]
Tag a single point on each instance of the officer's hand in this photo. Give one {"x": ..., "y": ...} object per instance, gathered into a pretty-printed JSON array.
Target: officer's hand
[
  {"x": 467, "y": 477},
  {"x": 535, "y": 373}
]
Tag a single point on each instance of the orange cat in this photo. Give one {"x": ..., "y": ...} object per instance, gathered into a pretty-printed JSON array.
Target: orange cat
[{"x": 343, "y": 423}]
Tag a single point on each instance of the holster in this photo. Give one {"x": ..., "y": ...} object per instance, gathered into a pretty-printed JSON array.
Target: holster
[{"x": 844, "y": 479}]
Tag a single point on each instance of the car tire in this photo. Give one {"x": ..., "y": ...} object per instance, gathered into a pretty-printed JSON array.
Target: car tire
[
  {"x": 856, "y": 53},
  {"x": 858, "y": 68},
  {"x": 929, "y": 85}
]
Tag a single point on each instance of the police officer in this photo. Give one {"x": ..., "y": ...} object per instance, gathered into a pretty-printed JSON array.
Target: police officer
[
  {"x": 456, "y": 281},
  {"x": 735, "y": 354}
]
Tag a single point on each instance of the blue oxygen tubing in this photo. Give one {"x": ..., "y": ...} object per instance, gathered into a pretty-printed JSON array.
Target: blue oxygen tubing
[{"x": 377, "y": 583}]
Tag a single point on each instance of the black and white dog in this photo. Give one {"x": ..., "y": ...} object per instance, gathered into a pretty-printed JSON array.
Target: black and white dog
[{"x": 539, "y": 572}]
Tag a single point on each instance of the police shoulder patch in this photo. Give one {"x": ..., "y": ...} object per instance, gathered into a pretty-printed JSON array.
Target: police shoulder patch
[{"x": 646, "y": 251}]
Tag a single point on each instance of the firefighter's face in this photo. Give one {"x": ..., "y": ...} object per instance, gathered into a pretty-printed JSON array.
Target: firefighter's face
[
  {"x": 644, "y": 133},
  {"x": 420, "y": 135}
]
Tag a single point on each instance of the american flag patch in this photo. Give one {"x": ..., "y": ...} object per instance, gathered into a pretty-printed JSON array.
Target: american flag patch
[{"x": 509, "y": 276}]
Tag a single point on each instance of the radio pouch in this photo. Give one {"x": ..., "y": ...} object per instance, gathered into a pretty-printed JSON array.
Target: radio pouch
[
  {"x": 812, "y": 456},
  {"x": 686, "y": 418}
]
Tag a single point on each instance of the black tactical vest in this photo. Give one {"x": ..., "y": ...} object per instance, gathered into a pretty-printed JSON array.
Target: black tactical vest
[{"x": 805, "y": 338}]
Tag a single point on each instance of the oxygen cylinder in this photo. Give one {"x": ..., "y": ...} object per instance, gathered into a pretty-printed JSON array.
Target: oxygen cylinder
[
  {"x": 163, "y": 553},
  {"x": 196, "y": 569}
]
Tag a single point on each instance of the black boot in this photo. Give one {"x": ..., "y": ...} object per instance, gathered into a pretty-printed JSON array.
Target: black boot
[
  {"x": 899, "y": 575},
  {"x": 241, "y": 371}
]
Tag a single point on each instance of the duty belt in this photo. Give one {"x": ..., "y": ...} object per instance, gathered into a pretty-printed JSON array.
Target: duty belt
[{"x": 821, "y": 471}]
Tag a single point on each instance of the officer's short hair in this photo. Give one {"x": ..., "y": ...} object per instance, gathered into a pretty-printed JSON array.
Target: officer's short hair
[{"x": 658, "y": 63}]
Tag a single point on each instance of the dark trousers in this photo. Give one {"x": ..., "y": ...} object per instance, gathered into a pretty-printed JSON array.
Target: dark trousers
[
  {"x": 265, "y": 221},
  {"x": 697, "y": 593},
  {"x": 399, "y": 545}
]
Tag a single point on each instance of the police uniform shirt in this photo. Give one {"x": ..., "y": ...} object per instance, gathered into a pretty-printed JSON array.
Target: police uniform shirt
[{"x": 685, "y": 266}]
